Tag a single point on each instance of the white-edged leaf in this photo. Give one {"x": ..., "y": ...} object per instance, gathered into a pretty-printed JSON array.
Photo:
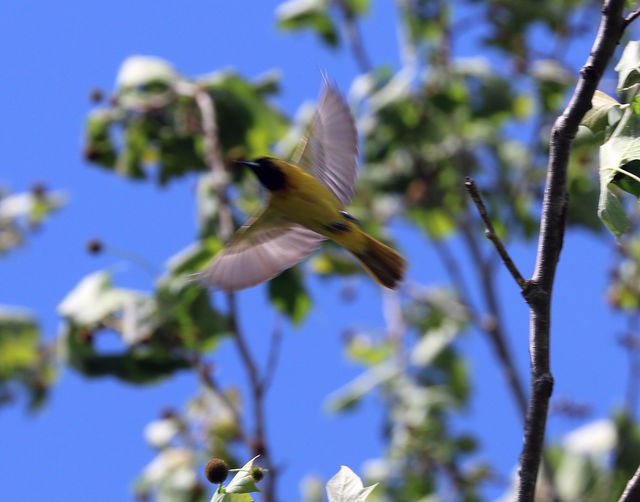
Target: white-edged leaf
[
  {"x": 141, "y": 70},
  {"x": 595, "y": 439},
  {"x": 621, "y": 148},
  {"x": 94, "y": 299},
  {"x": 550, "y": 70},
  {"x": 159, "y": 433},
  {"x": 346, "y": 486},
  {"x": 599, "y": 116},
  {"x": 628, "y": 67},
  {"x": 611, "y": 212},
  {"x": 293, "y": 9},
  {"x": 353, "y": 391},
  {"x": 432, "y": 343}
]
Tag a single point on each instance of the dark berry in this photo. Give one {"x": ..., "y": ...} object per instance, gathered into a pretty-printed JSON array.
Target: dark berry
[
  {"x": 94, "y": 246},
  {"x": 216, "y": 470}
]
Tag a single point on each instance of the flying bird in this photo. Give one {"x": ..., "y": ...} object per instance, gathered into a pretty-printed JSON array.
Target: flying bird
[{"x": 306, "y": 205}]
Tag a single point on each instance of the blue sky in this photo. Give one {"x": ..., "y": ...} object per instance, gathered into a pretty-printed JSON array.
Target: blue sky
[{"x": 87, "y": 443}]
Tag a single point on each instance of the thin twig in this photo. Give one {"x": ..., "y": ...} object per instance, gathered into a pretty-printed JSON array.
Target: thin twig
[
  {"x": 471, "y": 187},
  {"x": 355, "y": 38},
  {"x": 632, "y": 491},
  {"x": 552, "y": 227},
  {"x": 632, "y": 16}
]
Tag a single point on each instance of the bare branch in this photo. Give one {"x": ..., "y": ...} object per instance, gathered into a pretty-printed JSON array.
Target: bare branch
[
  {"x": 630, "y": 18},
  {"x": 552, "y": 227},
  {"x": 471, "y": 187}
]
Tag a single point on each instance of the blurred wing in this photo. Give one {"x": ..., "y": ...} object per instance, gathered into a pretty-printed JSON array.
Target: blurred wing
[
  {"x": 262, "y": 248},
  {"x": 330, "y": 149}
]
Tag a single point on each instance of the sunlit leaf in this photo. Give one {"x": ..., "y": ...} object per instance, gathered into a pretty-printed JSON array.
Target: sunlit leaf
[
  {"x": 628, "y": 66},
  {"x": 350, "y": 394},
  {"x": 597, "y": 118},
  {"x": 432, "y": 343},
  {"x": 308, "y": 14},
  {"x": 137, "y": 71},
  {"x": 618, "y": 164},
  {"x": 346, "y": 486}
]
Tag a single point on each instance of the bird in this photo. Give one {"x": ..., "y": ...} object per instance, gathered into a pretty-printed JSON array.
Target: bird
[{"x": 307, "y": 201}]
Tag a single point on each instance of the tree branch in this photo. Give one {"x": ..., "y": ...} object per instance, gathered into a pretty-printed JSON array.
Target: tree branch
[
  {"x": 472, "y": 189},
  {"x": 552, "y": 228}
]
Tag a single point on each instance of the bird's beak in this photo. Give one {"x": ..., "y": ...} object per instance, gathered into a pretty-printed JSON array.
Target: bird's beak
[{"x": 247, "y": 163}]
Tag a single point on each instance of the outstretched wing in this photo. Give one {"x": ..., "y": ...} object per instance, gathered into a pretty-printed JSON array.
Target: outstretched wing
[
  {"x": 261, "y": 249},
  {"x": 330, "y": 149}
]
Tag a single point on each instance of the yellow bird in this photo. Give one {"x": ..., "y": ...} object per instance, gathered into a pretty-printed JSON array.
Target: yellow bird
[{"x": 305, "y": 207}]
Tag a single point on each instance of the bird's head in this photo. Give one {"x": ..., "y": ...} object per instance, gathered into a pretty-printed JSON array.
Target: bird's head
[{"x": 268, "y": 171}]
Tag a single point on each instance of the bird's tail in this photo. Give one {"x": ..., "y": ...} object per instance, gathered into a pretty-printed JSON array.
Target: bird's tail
[{"x": 384, "y": 264}]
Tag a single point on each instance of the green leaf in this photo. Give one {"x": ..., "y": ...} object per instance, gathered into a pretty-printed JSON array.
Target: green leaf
[
  {"x": 611, "y": 212},
  {"x": 185, "y": 315},
  {"x": 139, "y": 365},
  {"x": 626, "y": 454},
  {"x": 99, "y": 147},
  {"x": 346, "y": 486},
  {"x": 131, "y": 157},
  {"x": 23, "y": 360},
  {"x": 618, "y": 164},
  {"x": 629, "y": 180},
  {"x": 628, "y": 67},
  {"x": 308, "y": 14},
  {"x": 597, "y": 118},
  {"x": 18, "y": 341},
  {"x": 358, "y": 7},
  {"x": 288, "y": 294},
  {"x": 248, "y": 125},
  {"x": 179, "y": 155}
]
